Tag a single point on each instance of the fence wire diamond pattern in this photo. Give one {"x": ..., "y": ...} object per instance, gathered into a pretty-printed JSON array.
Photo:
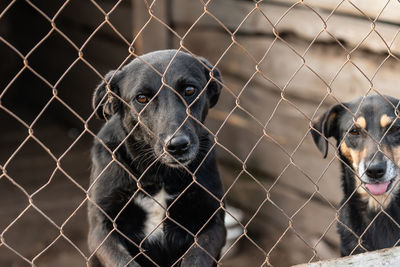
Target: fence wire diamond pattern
[{"x": 180, "y": 39}]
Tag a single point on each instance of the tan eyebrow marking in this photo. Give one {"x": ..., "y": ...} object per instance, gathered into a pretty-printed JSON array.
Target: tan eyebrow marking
[
  {"x": 346, "y": 151},
  {"x": 361, "y": 122},
  {"x": 385, "y": 120}
]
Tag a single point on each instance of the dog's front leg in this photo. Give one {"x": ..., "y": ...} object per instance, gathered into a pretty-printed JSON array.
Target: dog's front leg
[
  {"x": 212, "y": 239},
  {"x": 111, "y": 252}
]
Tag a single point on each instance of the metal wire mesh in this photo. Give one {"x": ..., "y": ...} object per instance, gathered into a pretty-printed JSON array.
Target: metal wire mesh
[{"x": 178, "y": 38}]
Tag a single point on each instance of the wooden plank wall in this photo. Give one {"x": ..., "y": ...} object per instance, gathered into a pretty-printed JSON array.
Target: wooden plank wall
[{"x": 281, "y": 84}]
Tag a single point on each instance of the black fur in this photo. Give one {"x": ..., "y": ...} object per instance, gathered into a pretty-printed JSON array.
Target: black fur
[
  {"x": 130, "y": 162},
  {"x": 356, "y": 216}
]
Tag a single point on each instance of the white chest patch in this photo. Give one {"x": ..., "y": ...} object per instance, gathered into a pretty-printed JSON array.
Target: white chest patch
[{"x": 155, "y": 208}]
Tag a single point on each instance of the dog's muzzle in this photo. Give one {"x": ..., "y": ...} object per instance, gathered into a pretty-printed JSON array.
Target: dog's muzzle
[{"x": 378, "y": 176}]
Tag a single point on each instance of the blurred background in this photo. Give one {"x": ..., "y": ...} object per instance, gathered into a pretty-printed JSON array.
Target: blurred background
[{"x": 283, "y": 62}]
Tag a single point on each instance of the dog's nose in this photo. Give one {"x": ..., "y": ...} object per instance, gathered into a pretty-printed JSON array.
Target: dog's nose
[
  {"x": 376, "y": 170},
  {"x": 178, "y": 145}
]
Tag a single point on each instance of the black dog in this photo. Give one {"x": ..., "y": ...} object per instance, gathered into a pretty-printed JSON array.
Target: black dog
[
  {"x": 368, "y": 140},
  {"x": 155, "y": 189}
]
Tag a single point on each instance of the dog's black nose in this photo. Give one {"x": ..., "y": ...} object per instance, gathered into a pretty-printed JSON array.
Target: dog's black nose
[
  {"x": 376, "y": 170},
  {"x": 178, "y": 145}
]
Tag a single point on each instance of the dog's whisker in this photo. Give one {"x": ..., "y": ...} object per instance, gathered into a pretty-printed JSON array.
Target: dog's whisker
[{"x": 145, "y": 157}]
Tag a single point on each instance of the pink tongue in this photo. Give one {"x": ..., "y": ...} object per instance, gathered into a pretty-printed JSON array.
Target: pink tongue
[{"x": 377, "y": 189}]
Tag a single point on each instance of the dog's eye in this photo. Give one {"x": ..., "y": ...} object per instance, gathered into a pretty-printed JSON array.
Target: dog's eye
[
  {"x": 142, "y": 99},
  {"x": 189, "y": 91},
  {"x": 355, "y": 131}
]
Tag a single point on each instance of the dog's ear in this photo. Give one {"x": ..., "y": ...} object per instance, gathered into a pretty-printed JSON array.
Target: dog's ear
[
  {"x": 107, "y": 105},
  {"x": 325, "y": 126},
  {"x": 214, "y": 87}
]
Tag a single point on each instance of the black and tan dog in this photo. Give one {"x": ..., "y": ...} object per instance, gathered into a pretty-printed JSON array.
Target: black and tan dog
[
  {"x": 155, "y": 187},
  {"x": 368, "y": 139}
]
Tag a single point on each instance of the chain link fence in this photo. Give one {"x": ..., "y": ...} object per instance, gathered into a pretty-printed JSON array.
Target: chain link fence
[{"x": 282, "y": 62}]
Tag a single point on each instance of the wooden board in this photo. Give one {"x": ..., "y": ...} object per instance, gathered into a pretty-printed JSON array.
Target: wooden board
[
  {"x": 281, "y": 69},
  {"x": 386, "y": 10},
  {"x": 150, "y": 33},
  {"x": 384, "y": 257},
  {"x": 281, "y": 155},
  {"x": 304, "y": 22}
]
